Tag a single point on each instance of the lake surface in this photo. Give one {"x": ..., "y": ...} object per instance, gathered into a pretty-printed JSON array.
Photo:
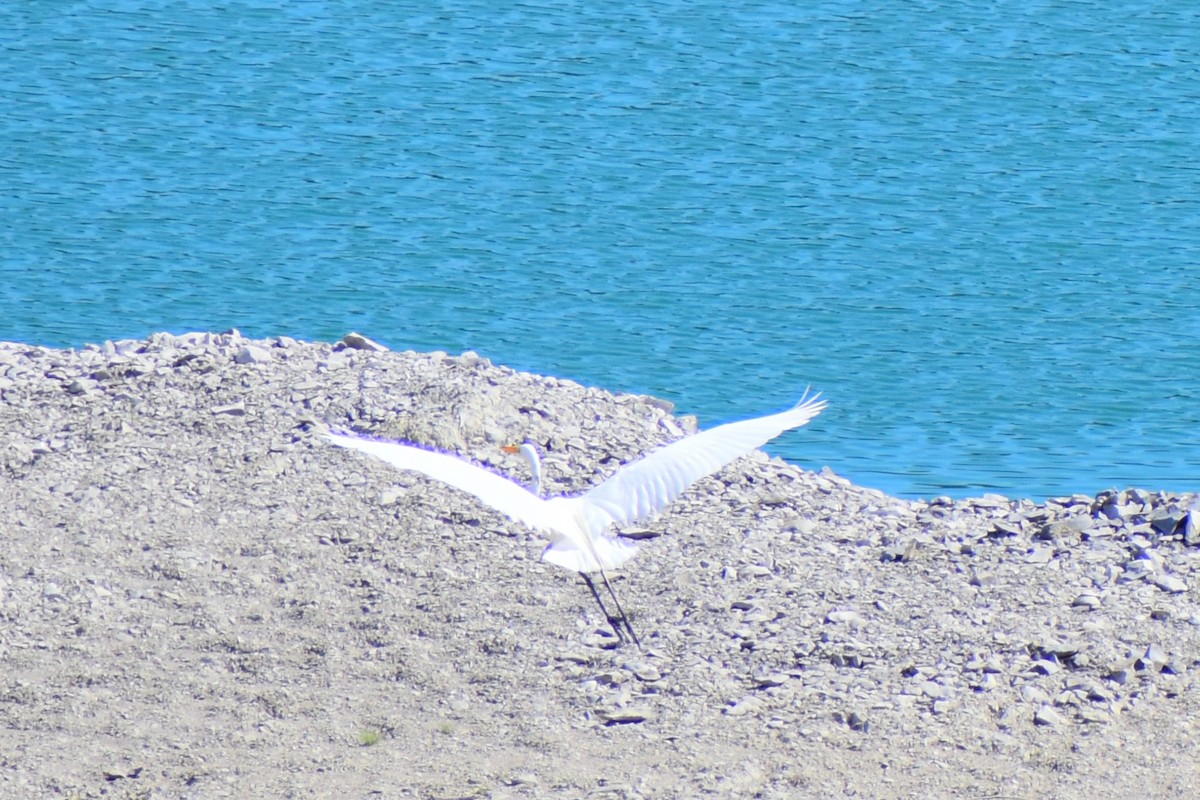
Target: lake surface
[{"x": 974, "y": 226}]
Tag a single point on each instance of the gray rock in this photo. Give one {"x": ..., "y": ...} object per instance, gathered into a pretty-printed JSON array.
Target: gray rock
[
  {"x": 1046, "y": 715},
  {"x": 901, "y": 551},
  {"x": 237, "y": 409},
  {"x": 1094, "y": 716},
  {"x": 1040, "y": 554},
  {"x": 772, "y": 680},
  {"x": 252, "y": 354},
  {"x": 1166, "y": 519},
  {"x": 357, "y": 341},
  {"x": 646, "y": 672},
  {"x": 624, "y": 716},
  {"x": 1123, "y": 671},
  {"x": 1004, "y": 527},
  {"x": 845, "y": 617},
  {"x": 1191, "y": 527},
  {"x": 1169, "y": 583},
  {"x": 745, "y": 706},
  {"x": 1155, "y": 654}
]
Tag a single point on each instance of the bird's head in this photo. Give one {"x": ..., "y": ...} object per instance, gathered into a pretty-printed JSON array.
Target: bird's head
[{"x": 530, "y": 454}]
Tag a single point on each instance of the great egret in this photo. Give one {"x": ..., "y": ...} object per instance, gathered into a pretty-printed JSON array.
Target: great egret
[{"x": 578, "y": 525}]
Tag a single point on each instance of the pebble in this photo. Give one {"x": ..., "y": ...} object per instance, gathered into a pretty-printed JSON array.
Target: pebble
[
  {"x": 523, "y": 779},
  {"x": 1170, "y": 583},
  {"x": 1094, "y": 716},
  {"x": 1004, "y": 527},
  {"x": 252, "y": 354},
  {"x": 1040, "y": 554},
  {"x": 237, "y": 409},
  {"x": 1121, "y": 672},
  {"x": 991, "y": 664},
  {"x": 902, "y": 551},
  {"x": 772, "y": 680},
  {"x": 1165, "y": 519},
  {"x": 1046, "y": 715},
  {"x": 846, "y": 617},
  {"x": 935, "y": 690},
  {"x": 746, "y": 705},
  {"x": 624, "y": 716},
  {"x": 646, "y": 672},
  {"x": 357, "y": 341},
  {"x": 1156, "y": 655},
  {"x": 391, "y": 495}
]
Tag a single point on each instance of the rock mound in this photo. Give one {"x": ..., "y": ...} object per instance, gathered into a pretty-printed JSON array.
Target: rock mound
[{"x": 201, "y": 599}]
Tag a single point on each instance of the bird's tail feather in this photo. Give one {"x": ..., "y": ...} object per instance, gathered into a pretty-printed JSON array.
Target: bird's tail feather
[{"x": 612, "y": 552}]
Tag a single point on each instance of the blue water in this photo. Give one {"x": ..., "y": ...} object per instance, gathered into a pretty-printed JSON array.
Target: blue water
[{"x": 974, "y": 225}]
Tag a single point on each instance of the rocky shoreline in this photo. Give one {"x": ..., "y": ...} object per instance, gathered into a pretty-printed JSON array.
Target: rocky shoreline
[{"x": 200, "y": 599}]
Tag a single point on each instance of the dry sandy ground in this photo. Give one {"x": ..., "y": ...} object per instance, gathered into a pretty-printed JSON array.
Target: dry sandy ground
[{"x": 201, "y": 599}]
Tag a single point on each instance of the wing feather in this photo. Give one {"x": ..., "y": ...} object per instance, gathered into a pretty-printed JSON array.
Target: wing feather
[
  {"x": 646, "y": 487},
  {"x": 506, "y": 496}
]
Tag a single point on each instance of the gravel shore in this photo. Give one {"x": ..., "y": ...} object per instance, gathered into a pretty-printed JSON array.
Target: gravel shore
[{"x": 202, "y": 599}]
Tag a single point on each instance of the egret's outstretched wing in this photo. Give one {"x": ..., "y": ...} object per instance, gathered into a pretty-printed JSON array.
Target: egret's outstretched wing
[
  {"x": 646, "y": 487},
  {"x": 493, "y": 490}
]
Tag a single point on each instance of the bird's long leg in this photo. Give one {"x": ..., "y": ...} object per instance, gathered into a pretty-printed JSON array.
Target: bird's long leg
[
  {"x": 613, "y": 621},
  {"x": 624, "y": 625},
  {"x": 600, "y": 602},
  {"x": 624, "y": 618}
]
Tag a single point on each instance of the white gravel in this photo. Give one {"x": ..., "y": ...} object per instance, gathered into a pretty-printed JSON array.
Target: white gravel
[{"x": 201, "y": 599}]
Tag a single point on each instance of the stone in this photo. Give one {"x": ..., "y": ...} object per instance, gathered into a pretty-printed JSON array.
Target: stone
[
  {"x": 1166, "y": 520},
  {"x": 935, "y": 690},
  {"x": 846, "y": 617},
  {"x": 1169, "y": 583},
  {"x": 624, "y": 716},
  {"x": 1191, "y": 527},
  {"x": 252, "y": 354},
  {"x": 646, "y": 672},
  {"x": 1123, "y": 671},
  {"x": 389, "y": 496},
  {"x": 237, "y": 409},
  {"x": 751, "y": 571},
  {"x": 1040, "y": 554},
  {"x": 1156, "y": 655},
  {"x": 898, "y": 552},
  {"x": 1047, "y": 716},
  {"x": 356, "y": 341},
  {"x": 1003, "y": 527},
  {"x": 772, "y": 680},
  {"x": 746, "y": 705}
]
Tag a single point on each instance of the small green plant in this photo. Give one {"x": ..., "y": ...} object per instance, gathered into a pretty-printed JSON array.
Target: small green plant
[
  {"x": 369, "y": 736},
  {"x": 446, "y": 727}
]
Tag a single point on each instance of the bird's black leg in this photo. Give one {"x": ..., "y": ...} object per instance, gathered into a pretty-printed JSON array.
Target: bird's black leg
[
  {"x": 624, "y": 616},
  {"x": 611, "y": 619},
  {"x": 615, "y": 622},
  {"x": 619, "y": 624}
]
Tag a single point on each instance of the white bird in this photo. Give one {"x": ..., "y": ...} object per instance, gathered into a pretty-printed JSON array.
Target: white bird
[{"x": 578, "y": 526}]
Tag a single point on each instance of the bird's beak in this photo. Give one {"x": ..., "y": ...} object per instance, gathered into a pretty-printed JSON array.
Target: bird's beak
[{"x": 511, "y": 448}]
